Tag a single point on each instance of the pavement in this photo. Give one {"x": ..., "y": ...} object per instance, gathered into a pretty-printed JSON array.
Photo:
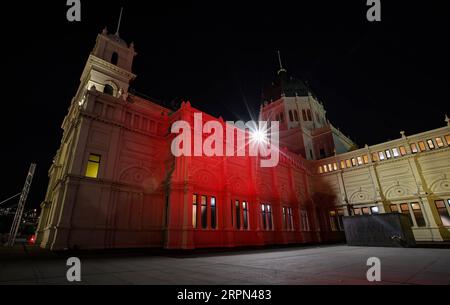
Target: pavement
[{"x": 299, "y": 265}]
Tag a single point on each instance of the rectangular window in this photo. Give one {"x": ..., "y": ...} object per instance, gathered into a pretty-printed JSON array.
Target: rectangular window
[
  {"x": 366, "y": 211},
  {"x": 335, "y": 166},
  {"x": 443, "y": 212},
  {"x": 348, "y": 163},
  {"x": 333, "y": 221},
  {"x": 405, "y": 211},
  {"x": 342, "y": 164},
  {"x": 213, "y": 213},
  {"x": 357, "y": 211},
  {"x": 388, "y": 154},
  {"x": 341, "y": 219},
  {"x": 245, "y": 214},
  {"x": 439, "y": 142},
  {"x": 291, "y": 219},
  {"x": 381, "y": 155},
  {"x": 430, "y": 144},
  {"x": 395, "y": 152},
  {"x": 330, "y": 168},
  {"x": 447, "y": 139},
  {"x": 325, "y": 168},
  {"x": 238, "y": 215},
  {"x": 194, "y": 211},
  {"x": 360, "y": 161},
  {"x": 402, "y": 150},
  {"x": 284, "y": 218},
  {"x": 417, "y": 211},
  {"x": 353, "y": 161},
  {"x": 366, "y": 159},
  {"x": 414, "y": 149},
  {"x": 305, "y": 221},
  {"x": 263, "y": 217},
  {"x": 269, "y": 217},
  {"x": 320, "y": 170},
  {"x": 422, "y": 146},
  {"x": 394, "y": 208},
  {"x": 204, "y": 212},
  {"x": 93, "y": 166},
  {"x": 374, "y": 210},
  {"x": 374, "y": 157}
]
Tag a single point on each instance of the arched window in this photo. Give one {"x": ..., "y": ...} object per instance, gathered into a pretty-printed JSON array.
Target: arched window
[
  {"x": 108, "y": 90},
  {"x": 296, "y": 115},
  {"x": 114, "y": 58},
  {"x": 291, "y": 117}
]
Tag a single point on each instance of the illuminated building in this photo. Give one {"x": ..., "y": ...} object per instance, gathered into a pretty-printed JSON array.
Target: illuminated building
[{"x": 115, "y": 184}]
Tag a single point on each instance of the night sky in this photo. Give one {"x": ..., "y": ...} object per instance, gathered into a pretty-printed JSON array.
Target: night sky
[{"x": 375, "y": 79}]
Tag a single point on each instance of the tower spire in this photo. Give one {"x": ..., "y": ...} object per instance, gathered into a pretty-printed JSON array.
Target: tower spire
[
  {"x": 120, "y": 20},
  {"x": 281, "y": 64}
]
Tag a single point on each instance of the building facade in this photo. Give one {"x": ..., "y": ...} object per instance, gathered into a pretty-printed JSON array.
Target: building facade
[{"x": 114, "y": 182}]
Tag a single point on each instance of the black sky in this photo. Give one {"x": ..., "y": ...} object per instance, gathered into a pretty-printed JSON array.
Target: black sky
[{"x": 375, "y": 79}]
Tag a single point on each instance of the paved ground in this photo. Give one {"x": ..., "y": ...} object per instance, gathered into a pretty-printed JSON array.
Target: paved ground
[{"x": 295, "y": 265}]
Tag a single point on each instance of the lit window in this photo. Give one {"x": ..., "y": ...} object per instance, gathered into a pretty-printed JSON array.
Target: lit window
[
  {"x": 353, "y": 161},
  {"x": 414, "y": 148},
  {"x": 381, "y": 155},
  {"x": 447, "y": 139},
  {"x": 194, "y": 211},
  {"x": 348, "y": 163},
  {"x": 430, "y": 144},
  {"x": 330, "y": 168},
  {"x": 335, "y": 167},
  {"x": 439, "y": 142},
  {"x": 405, "y": 211},
  {"x": 374, "y": 157},
  {"x": 402, "y": 150},
  {"x": 366, "y": 159},
  {"x": 360, "y": 161},
  {"x": 388, "y": 154},
  {"x": 374, "y": 210},
  {"x": 93, "y": 166},
  {"x": 394, "y": 208},
  {"x": 325, "y": 168},
  {"x": 204, "y": 215},
  {"x": 443, "y": 212},
  {"x": 342, "y": 164},
  {"x": 213, "y": 213},
  {"x": 395, "y": 152},
  {"x": 320, "y": 170},
  {"x": 417, "y": 211},
  {"x": 422, "y": 146}
]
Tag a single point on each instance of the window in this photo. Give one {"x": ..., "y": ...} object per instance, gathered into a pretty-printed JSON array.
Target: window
[
  {"x": 309, "y": 115},
  {"x": 395, "y": 152},
  {"x": 204, "y": 214},
  {"x": 213, "y": 213},
  {"x": 402, "y": 150},
  {"x": 357, "y": 211},
  {"x": 266, "y": 215},
  {"x": 366, "y": 159},
  {"x": 353, "y": 161},
  {"x": 447, "y": 139},
  {"x": 417, "y": 211},
  {"x": 304, "y": 219},
  {"x": 296, "y": 115},
  {"x": 360, "y": 161},
  {"x": 366, "y": 211},
  {"x": 374, "y": 157},
  {"x": 304, "y": 115},
  {"x": 325, "y": 168},
  {"x": 330, "y": 168},
  {"x": 430, "y": 144},
  {"x": 290, "y": 219},
  {"x": 108, "y": 89},
  {"x": 388, "y": 154},
  {"x": 422, "y": 146},
  {"x": 414, "y": 149},
  {"x": 93, "y": 165},
  {"x": 114, "y": 58},
  {"x": 341, "y": 219},
  {"x": 342, "y": 164},
  {"x": 405, "y": 211},
  {"x": 291, "y": 116},
  {"x": 238, "y": 214},
  {"x": 284, "y": 218},
  {"x": 335, "y": 166},
  {"x": 333, "y": 221},
  {"x": 443, "y": 212},
  {"x": 320, "y": 170},
  {"x": 374, "y": 210},
  {"x": 194, "y": 211},
  {"x": 394, "y": 208},
  {"x": 381, "y": 155},
  {"x": 348, "y": 163},
  {"x": 245, "y": 214},
  {"x": 439, "y": 142}
]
